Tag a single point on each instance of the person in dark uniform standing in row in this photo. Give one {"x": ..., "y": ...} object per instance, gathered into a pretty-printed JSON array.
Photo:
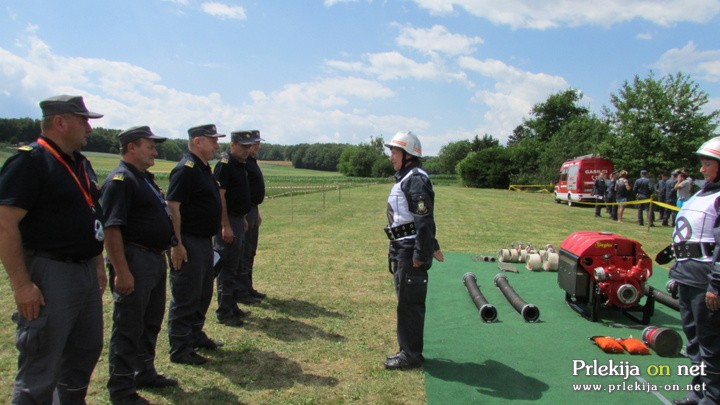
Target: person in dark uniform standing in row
[
  {"x": 411, "y": 230},
  {"x": 51, "y": 242},
  {"x": 247, "y": 293},
  {"x": 195, "y": 207},
  {"x": 235, "y": 199},
  {"x": 138, "y": 232},
  {"x": 696, "y": 244},
  {"x": 643, "y": 188}
]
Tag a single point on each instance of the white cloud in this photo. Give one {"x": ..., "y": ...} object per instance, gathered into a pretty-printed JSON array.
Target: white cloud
[
  {"x": 330, "y": 3},
  {"x": 700, "y": 64},
  {"x": 394, "y": 65},
  {"x": 128, "y": 95},
  {"x": 555, "y": 13},
  {"x": 644, "y": 36},
  {"x": 514, "y": 93},
  {"x": 224, "y": 11},
  {"x": 437, "y": 40}
]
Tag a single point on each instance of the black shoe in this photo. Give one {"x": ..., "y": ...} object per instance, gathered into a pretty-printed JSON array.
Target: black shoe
[
  {"x": 685, "y": 401},
  {"x": 160, "y": 381},
  {"x": 257, "y": 294},
  {"x": 401, "y": 363},
  {"x": 242, "y": 314},
  {"x": 208, "y": 343},
  {"x": 248, "y": 300},
  {"x": 232, "y": 320},
  {"x": 392, "y": 356},
  {"x": 132, "y": 399},
  {"x": 190, "y": 358}
]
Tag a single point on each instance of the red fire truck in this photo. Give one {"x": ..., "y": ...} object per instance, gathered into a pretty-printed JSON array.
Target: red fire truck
[{"x": 577, "y": 177}]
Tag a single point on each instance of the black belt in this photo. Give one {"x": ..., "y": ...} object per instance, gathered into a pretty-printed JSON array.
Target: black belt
[
  {"x": 693, "y": 250},
  {"x": 54, "y": 256},
  {"x": 147, "y": 249},
  {"x": 400, "y": 231}
]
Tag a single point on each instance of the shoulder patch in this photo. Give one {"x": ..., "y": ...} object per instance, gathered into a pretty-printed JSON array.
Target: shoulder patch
[
  {"x": 224, "y": 161},
  {"x": 190, "y": 164},
  {"x": 421, "y": 207},
  {"x": 25, "y": 148},
  {"x": 119, "y": 177}
]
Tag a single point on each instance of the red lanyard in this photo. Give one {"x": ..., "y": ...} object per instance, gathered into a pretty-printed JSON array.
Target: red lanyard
[{"x": 86, "y": 193}]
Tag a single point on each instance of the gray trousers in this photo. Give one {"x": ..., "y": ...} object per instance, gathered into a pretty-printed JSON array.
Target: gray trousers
[
  {"x": 192, "y": 290},
  {"x": 702, "y": 329},
  {"x": 227, "y": 279},
  {"x": 137, "y": 319},
  {"x": 59, "y": 349}
]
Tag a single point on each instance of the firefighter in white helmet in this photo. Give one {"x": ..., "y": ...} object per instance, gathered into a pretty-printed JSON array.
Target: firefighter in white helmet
[
  {"x": 411, "y": 230},
  {"x": 696, "y": 246}
]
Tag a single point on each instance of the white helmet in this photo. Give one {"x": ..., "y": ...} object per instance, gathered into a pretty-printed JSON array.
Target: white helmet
[
  {"x": 710, "y": 149},
  {"x": 406, "y": 141}
]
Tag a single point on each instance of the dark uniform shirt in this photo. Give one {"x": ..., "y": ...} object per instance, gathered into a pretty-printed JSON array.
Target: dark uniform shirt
[
  {"x": 256, "y": 179},
  {"x": 421, "y": 203},
  {"x": 132, "y": 200},
  {"x": 59, "y": 220},
  {"x": 643, "y": 188},
  {"x": 230, "y": 174},
  {"x": 192, "y": 185}
]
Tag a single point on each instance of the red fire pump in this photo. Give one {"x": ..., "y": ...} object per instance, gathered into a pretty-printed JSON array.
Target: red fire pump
[{"x": 603, "y": 271}]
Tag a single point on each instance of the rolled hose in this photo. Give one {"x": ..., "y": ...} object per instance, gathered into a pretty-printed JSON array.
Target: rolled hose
[
  {"x": 487, "y": 312},
  {"x": 529, "y": 312}
]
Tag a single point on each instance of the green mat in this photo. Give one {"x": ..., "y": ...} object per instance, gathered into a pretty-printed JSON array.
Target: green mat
[{"x": 510, "y": 360}]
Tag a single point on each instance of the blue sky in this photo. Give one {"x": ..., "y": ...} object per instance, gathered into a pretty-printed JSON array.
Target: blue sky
[{"x": 344, "y": 70}]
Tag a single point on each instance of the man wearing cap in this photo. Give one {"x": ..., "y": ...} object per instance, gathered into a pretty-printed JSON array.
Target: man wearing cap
[
  {"x": 138, "y": 231},
  {"x": 195, "y": 207},
  {"x": 643, "y": 188},
  {"x": 247, "y": 293},
  {"x": 51, "y": 241},
  {"x": 235, "y": 198}
]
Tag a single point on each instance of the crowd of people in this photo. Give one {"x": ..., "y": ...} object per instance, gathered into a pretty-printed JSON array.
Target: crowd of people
[
  {"x": 613, "y": 193},
  {"x": 57, "y": 218}
]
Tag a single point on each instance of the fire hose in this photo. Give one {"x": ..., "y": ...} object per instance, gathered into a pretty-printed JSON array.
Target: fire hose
[
  {"x": 662, "y": 297},
  {"x": 487, "y": 312},
  {"x": 529, "y": 312}
]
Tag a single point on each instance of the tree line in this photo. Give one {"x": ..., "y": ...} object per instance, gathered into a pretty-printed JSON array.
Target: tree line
[{"x": 651, "y": 123}]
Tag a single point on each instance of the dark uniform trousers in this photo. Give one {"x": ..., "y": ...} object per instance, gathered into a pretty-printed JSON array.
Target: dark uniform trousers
[
  {"x": 192, "y": 290},
  {"x": 227, "y": 279},
  {"x": 411, "y": 289},
  {"x": 59, "y": 349},
  {"x": 245, "y": 282},
  {"x": 701, "y": 327},
  {"x": 137, "y": 319}
]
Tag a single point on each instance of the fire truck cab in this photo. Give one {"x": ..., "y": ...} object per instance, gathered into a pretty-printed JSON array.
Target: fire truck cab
[{"x": 577, "y": 178}]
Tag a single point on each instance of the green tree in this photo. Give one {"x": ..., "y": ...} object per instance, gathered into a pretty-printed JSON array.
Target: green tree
[
  {"x": 486, "y": 168},
  {"x": 559, "y": 109},
  {"x": 664, "y": 116},
  {"x": 450, "y": 155}
]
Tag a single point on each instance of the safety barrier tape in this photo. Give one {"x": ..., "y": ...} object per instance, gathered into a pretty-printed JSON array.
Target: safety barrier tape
[{"x": 633, "y": 202}]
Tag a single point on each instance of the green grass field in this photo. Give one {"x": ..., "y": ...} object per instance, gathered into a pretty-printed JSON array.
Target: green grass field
[{"x": 329, "y": 321}]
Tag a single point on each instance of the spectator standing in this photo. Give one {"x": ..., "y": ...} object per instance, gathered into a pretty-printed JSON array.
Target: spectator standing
[
  {"x": 195, "y": 206},
  {"x": 235, "y": 198},
  {"x": 610, "y": 196},
  {"x": 599, "y": 190},
  {"x": 643, "y": 189},
  {"x": 622, "y": 187},
  {"x": 660, "y": 188},
  {"x": 670, "y": 199},
  {"x": 247, "y": 293},
  {"x": 683, "y": 187},
  {"x": 138, "y": 232},
  {"x": 51, "y": 242}
]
